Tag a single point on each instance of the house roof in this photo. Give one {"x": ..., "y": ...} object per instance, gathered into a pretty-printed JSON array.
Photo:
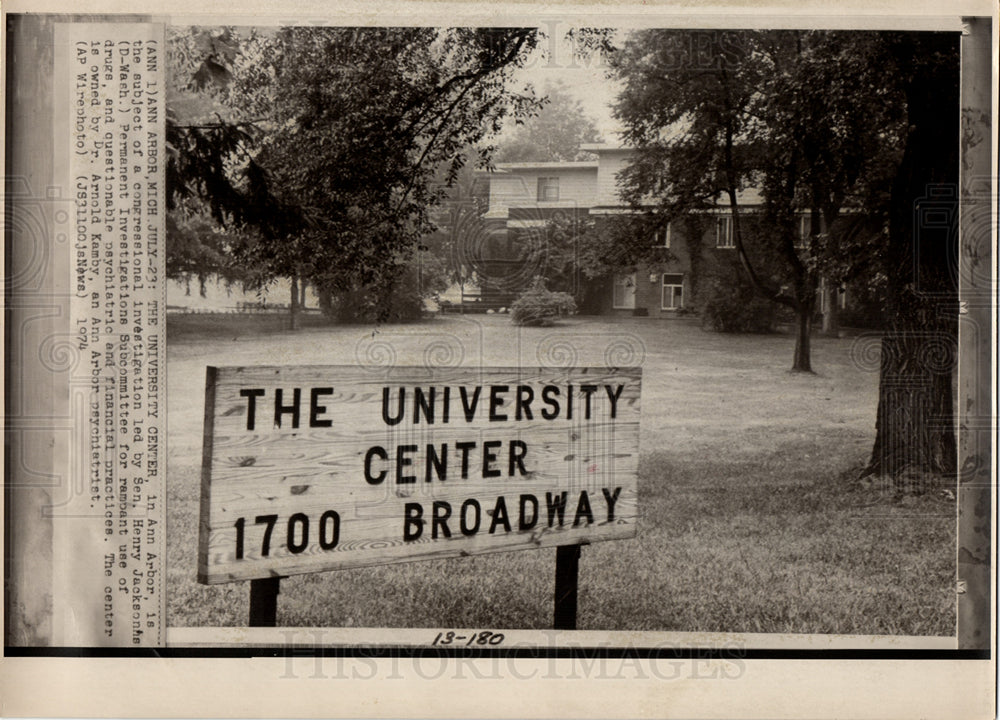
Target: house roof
[
  {"x": 606, "y": 147},
  {"x": 567, "y": 165}
]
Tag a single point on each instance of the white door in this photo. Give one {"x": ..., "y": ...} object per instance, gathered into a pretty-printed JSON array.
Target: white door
[{"x": 624, "y": 292}]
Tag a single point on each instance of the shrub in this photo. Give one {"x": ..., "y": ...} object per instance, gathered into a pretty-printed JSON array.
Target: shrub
[
  {"x": 393, "y": 298},
  {"x": 734, "y": 307},
  {"x": 539, "y": 306},
  {"x": 865, "y": 305},
  {"x": 377, "y": 303}
]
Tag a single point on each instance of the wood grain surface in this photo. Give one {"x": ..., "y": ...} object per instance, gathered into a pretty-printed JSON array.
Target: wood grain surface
[{"x": 326, "y": 500}]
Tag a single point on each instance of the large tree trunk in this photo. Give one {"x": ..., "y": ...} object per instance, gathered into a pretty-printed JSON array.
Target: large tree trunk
[
  {"x": 915, "y": 423},
  {"x": 831, "y": 320},
  {"x": 914, "y": 433},
  {"x": 293, "y": 306},
  {"x": 803, "y": 329}
]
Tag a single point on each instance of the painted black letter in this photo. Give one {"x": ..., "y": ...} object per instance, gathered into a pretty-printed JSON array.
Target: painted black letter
[
  {"x": 420, "y": 402},
  {"x": 470, "y": 410},
  {"x": 413, "y": 524},
  {"x": 399, "y": 409},
  {"x": 556, "y": 506},
  {"x": 611, "y": 500},
  {"x": 463, "y": 525},
  {"x": 496, "y": 402},
  {"x": 293, "y": 409},
  {"x": 518, "y": 449},
  {"x": 315, "y": 409},
  {"x": 500, "y": 516},
  {"x": 587, "y": 390},
  {"x": 381, "y": 453},
  {"x": 439, "y": 462},
  {"x": 490, "y": 457},
  {"x": 523, "y": 406},
  {"x": 613, "y": 398},
  {"x": 523, "y": 523},
  {"x": 402, "y": 461},
  {"x": 465, "y": 447},
  {"x": 583, "y": 510},
  {"x": 440, "y": 512},
  {"x": 549, "y": 395},
  {"x": 251, "y": 396}
]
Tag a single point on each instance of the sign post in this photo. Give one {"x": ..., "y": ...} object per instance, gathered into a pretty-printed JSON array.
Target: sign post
[
  {"x": 567, "y": 571},
  {"x": 264, "y": 601},
  {"x": 319, "y": 468}
]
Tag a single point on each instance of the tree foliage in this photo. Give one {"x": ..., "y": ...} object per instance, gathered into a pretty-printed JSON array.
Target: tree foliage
[
  {"x": 860, "y": 130},
  {"x": 799, "y": 116},
  {"x": 334, "y": 138},
  {"x": 555, "y": 134},
  {"x": 201, "y": 248},
  {"x": 219, "y": 199}
]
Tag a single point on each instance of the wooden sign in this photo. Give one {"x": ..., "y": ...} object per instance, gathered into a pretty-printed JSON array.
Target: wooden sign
[{"x": 308, "y": 469}]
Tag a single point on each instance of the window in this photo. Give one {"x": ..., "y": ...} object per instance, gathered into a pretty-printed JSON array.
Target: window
[
  {"x": 624, "y": 292},
  {"x": 548, "y": 189},
  {"x": 661, "y": 238},
  {"x": 672, "y": 296},
  {"x": 724, "y": 232},
  {"x": 805, "y": 231}
]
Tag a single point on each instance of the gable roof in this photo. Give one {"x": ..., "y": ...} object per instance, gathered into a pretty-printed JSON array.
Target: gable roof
[{"x": 550, "y": 165}]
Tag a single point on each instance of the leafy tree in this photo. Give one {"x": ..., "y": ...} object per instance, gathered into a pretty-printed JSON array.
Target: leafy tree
[
  {"x": 336, "y": 136},
  {"x": 872, "y": 115},
  {"x": 555, "y": 134},
  {"x": 865, "y": 122},
  {"x": 914, "y": 426},
  {"x": 459, "y": 226},
  {"x": 714, "y": 114},
  {"x": 201, "y": 248},
  {"x": 218, "y": 197},
  {"x": 832, "y": 138}
]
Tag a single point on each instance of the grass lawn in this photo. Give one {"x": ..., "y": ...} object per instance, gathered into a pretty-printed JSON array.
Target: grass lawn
[{"x": 750, "y": 520}]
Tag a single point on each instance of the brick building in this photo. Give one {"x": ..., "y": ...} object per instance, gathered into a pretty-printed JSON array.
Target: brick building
[{"x": 525, "y": 197}]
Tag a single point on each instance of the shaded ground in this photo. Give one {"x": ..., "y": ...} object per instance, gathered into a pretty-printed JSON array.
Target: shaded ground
[{"x": 750, "y": 522}]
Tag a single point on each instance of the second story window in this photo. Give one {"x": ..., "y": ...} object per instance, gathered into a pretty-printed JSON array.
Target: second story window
[
  {"x": 548, "y": 189},
  {"x": 661, "y": 238}
]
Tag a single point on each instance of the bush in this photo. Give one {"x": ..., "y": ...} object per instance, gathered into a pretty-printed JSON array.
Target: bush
[
  {"x": 366, "y": 306},
  {"x": 394, "y": 298},
  {"x": 399, "y": 301},
  {"x": 539, "y": 306},
  {"x": 865, "y": 306},
  {"x": 734, "y": 307}
]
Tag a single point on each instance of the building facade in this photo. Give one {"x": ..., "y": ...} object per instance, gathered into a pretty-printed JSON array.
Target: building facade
[{"x": 526, "y": 198}]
